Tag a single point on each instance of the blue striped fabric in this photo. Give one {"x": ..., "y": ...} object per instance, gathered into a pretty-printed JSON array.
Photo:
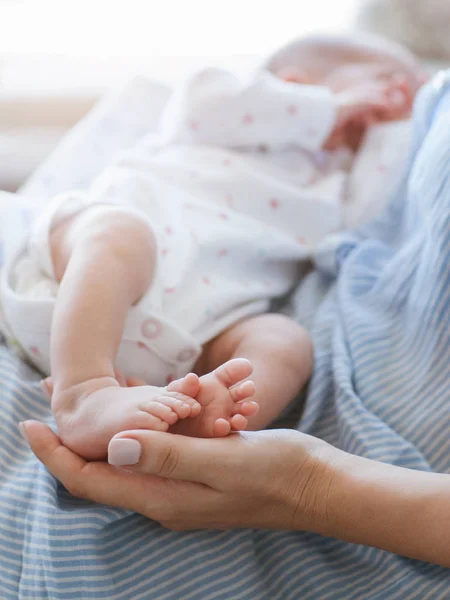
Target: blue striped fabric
[{"x": 380, "y": 389}]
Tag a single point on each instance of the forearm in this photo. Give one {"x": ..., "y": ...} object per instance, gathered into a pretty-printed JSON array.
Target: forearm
[
  {"x": 216, "y": 108},
  {"x": 103, "y": 277},
  {"x": 367, "y": 502}
]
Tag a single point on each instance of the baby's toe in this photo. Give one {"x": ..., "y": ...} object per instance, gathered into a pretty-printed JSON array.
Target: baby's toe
[
  {"x": 238, "y": 422},
  {"x": 183, "y": 409},
  {"x": 247, "y": 409},
  {"x": 161, "y": 411},
  {"x": 243, "y": 391},
  {"x": 234, "y": 371},
  {"x": 151, "y": 422},
  {"x": 189, "y": 385},
  {"x": 221, "y": 428},
  {"x": 174, "y": 399}
]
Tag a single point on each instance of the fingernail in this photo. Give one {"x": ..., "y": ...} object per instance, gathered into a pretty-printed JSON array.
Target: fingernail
[
  {"x": 44, "y": 388},
  {"x": 23, "y": 431},
  {"x": 123, "y": 452}
]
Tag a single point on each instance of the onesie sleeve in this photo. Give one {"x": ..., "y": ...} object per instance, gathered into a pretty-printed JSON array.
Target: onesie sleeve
[{"x": 215, "y": 107}]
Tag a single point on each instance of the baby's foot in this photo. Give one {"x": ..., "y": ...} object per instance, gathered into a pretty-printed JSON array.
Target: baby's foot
[
  {"x": 224, "y": 399},
  {"x": 90, "y": 414}
]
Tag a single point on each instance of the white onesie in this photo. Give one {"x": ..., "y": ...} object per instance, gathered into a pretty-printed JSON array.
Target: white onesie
[{"x": 237, "y": 192}]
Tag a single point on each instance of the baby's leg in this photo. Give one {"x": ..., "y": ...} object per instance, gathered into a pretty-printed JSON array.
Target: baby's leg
[
  {"x": 281, "y": 355},
  {"x": 104, "y": 258}
]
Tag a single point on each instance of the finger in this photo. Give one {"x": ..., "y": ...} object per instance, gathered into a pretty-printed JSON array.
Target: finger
[
  {"x": 397, "y": 98},
  {"x": 369, "y": 119},
  {"x": 97, "y": 481},
  {"x": 65, "y": 465},
  {"x": 174, "y": 456},
  {"x": 46, "y": 445},
  {"x": 355, "y": 138},
  {"x": 381, "y": 102},
  {"x": 408, "y": 86}
]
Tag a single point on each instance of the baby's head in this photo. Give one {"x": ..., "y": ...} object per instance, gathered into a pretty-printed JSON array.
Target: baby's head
[{"x": 341, "y": 61}]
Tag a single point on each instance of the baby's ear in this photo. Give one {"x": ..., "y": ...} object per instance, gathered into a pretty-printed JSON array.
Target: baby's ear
[{"x": 293, "y": 75}]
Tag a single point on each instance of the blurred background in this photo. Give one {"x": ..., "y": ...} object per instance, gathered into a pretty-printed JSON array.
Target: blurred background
[
  {"x": 93, "y": 43},
  {"x": 58, "y": 57}
]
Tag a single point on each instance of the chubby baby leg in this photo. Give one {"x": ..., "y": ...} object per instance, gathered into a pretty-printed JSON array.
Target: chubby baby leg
[
  {"x": 280, "y": 355},
  {"x": 104, "y": 259},
  {"x": 272, "y": 349}
]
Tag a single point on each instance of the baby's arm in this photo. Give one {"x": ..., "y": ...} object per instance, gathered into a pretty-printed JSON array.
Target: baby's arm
[
  {"x": 281, "y": 353},
  {"x": 217, "y": 108},
  {"x": 362, "y": 105}
]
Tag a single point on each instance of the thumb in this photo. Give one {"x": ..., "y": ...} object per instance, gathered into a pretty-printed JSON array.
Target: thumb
[{"x": 202, "y": 460}]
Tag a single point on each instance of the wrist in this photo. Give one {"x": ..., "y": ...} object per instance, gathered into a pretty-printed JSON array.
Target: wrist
[
  {"x": 312, "y": 475},
  {"x": 393, "y": 508},
  {"x": 363, "y": 501},
  {"x": 346, "y": 492}
]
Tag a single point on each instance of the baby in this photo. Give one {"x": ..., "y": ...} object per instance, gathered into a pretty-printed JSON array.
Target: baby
[{"x": 169, "y": 263}]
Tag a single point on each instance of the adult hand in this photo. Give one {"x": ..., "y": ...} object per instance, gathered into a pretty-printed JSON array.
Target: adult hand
[{"x": 268, "y": 479}]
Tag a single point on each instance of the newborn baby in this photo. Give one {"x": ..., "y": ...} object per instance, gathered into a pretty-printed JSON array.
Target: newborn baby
[{"x": 169, "y": 263}]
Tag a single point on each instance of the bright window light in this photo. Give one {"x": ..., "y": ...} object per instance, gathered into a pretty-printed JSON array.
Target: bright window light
[{"x": 148, "y": 28}]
